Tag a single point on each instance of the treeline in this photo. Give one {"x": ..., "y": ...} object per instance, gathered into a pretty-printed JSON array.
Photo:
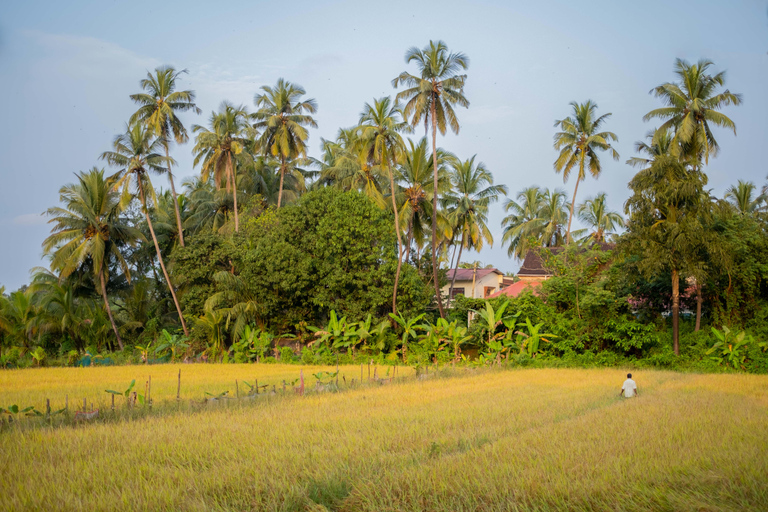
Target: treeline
[{"x": 270, "y": 244}]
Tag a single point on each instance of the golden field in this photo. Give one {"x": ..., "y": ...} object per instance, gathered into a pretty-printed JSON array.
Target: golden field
[{"x": 471, "y": 440}]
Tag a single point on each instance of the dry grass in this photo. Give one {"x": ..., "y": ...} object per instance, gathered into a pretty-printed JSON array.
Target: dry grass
[{"x": 485, "y": 440}]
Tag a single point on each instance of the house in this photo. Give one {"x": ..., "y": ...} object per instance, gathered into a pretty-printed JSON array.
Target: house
[{"x": 474, "y": 283}]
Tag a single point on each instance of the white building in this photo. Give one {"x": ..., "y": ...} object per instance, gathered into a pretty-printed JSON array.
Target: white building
[{"x": 474, "y": 283}]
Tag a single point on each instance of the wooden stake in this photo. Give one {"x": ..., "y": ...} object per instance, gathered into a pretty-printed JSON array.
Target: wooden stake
[
  {"x": 113, "y": 402},
  {"x": 257, "y": 386},
  {"x": 66, "y": 403},
  {"x": 149, "y": 392},
  {"x": 146, "y": 392},
  {"x": 237, "y": 390},
  {"x": 178, "y": 388},
  {"x": 47, "y": 408},
  {"x": 85, "y": 405}
]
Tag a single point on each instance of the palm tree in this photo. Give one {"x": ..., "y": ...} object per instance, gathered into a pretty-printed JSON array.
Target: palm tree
[
  {"x": 210, "y": 207},
  {"x": 595, "y": 214},
  {"x": 553, "y": 214},
  {"x": 283, "y": 119},
  {"x": 19, "y": 319},
  {"x": 659, "y": 144},
  {"x": 136, "y": 152},
  {"x": 577, "y": 142},
  {"x": 431, "y": 97},
  {"x": 415, "y": 177},
  {"x": 523, "y": 222},
  {"x": 380, "y": 127},
  {"x": 473, "y": 190},
  {"x": 690, "y": 106},
  {"x": 742, "y": 197},
  {"x": 228, "y": 136},
  {"x": 159, "y": 105},
  {"x": 89, "y": 229}
]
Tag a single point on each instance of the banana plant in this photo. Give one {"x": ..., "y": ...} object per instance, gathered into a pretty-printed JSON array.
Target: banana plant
[
  {"x": 144, "y": 351},
  {"x": 14, "y": 410},
  {"x": 127, "y": 392},
  {"x": 335, "y": 335},
  {"x": 409, "y": 328},
  {"x": 39, "y": 355},
  {"x": 375, "y": 334},
  {"x": 492, "y": 317},
  {"x": 731, "y": 348},
  {"x": 172, "y": 342},
  {"x": 533, "y": 339}
]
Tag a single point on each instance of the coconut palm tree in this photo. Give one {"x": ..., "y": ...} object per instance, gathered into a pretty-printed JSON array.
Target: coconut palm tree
[
  {"x": 431, "y": 97},
  {"x": 88, "y": 230},
  {"x": 577, "y": 142},
  {"x": 415, "y": 178},
  {"x": 136, "y": 152},
  {"x": 283, "y": 118},
  {"x": 595, "y": 214},
  {"x": 690, "y": 106},
  {"x": 159, "y": 104},
  {"x": 210, "y": 207},
  {"x": 742, "y": 197},
  {"x": 471, "y": 193},
  {"x": 380, "y": 128},
  {"x": 217, "y": 148},
  {"x": 659, "y": 144},
  {"x": 524, "y": 221},
  {"x": 553, "y": 215}
]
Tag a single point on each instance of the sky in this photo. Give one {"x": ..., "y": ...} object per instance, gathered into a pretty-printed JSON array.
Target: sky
[{"x": 68, "y": 69}]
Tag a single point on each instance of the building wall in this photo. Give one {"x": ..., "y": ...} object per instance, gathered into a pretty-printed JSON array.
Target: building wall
[{"x": 491, "y": 280}]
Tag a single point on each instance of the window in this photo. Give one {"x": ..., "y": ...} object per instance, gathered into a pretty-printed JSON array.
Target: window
[
  {"x": 457, "y": 291},
  {"x": 488, "y": 290}
]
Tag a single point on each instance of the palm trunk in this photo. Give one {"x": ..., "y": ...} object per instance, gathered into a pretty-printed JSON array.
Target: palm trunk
[
  {"x": 573, "y": 202},
  {"x": 282, "y": 176},
  {"x": 699, "y": 301},
  {"x": 234, "y": 190},
  {"x": 175, "y": 199},
  {"x": 458, "y": 262},
  {"x": 160, "y": 259},
  {"x": 434, "y": 213},
  {"x": 676, "y": 310},
  {"x": 399, "y": 239},
  {"x": 410, "y": 240},
  {"x": 109, "y": 309}
]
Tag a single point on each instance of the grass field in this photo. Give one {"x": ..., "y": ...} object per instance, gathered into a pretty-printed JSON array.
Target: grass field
[{"x": 473, "y": 440}]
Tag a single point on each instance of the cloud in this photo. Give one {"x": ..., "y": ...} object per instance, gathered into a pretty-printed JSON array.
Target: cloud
[{"x": 29, "y": 219}]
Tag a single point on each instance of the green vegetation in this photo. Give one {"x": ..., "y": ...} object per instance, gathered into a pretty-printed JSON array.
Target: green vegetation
[{"x": 270, "y": 255}]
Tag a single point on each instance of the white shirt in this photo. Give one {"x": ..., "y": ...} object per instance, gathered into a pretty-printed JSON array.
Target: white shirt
[{"x": 629, "y": 388}]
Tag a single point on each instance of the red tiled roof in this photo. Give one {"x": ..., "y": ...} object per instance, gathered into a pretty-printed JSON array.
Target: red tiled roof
[
  {"x": 465, "y": 274},
  {"x": 516, "y": 289}
]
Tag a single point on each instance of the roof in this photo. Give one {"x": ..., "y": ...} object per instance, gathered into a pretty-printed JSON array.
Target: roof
[
  {"x": 515, "y": 289},
  {"x": 533, "y": 264},
  {"x": 466, "y": 274}
]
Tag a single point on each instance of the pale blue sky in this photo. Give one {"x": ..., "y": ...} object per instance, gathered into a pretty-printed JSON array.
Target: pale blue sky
[{"x": 68, "y": 67}]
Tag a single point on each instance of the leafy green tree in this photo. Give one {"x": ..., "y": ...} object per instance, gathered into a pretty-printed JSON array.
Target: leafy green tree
[
  {"x": 659, "y": 144},
  {"x": 159, "y": 104},
  {"x": 690, "y": 106},
  {"x": 380, "y": 127},
  {"x": 471, "y": 193},
  {"x": 664, "y": 224},
  {"x": 136, "y": 152},
  {"x": 210, "y": 207},
  {"x": 431, "y": 97},
  {"x": 218, "y": 147},
  {"x": 602, "y": 221},
  {"x": 19, "y": 319},
  {"x": 282, "y": 119},
  {"x": 579, "y": 139},
  {"x": 88, "y": 230}
]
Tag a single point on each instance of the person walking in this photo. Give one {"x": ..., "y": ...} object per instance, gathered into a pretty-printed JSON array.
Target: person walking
[{"x": 629, "y": 388}]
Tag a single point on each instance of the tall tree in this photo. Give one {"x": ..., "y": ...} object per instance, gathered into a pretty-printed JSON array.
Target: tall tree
[
  {"x": 380, "y": 128},
  {"x": 659, "y": 144},
  {"x": 136, "y": 153},
  {"x": 691, "y": 105},
  {"x": 159, "y": 104},
  {"x": 431, "y": 98},
  {"x": 87, "y": 231},
  {"x": 742, "y": 197},
  {"x": 415, "y": 177},
  {"x": 282, "y": 119},
  {"x": 597, "y": 216},
  {"x": 664, "y": 224},
  {"x": 579, "y": 138},
  {"x": 471, "y": 193},
  {"x": 218, "y": 147},
  {"x": 524, "y": 221}
]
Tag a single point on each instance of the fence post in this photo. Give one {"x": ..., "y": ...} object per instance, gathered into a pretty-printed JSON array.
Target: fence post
[
  {"x": 257, "y": 386},
  {"x": 237, "y": 390},
  {"x": 47, "y": 408},
  {"x": 85, "y": 405},
  {"x": 178, "y": 388}
]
